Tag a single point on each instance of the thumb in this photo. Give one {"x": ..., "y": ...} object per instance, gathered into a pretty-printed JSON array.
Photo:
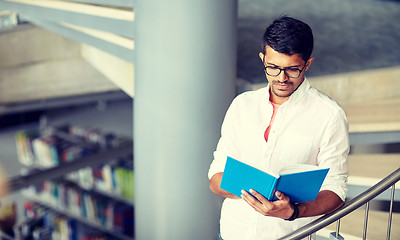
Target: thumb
[{"x": 281, "y": 196}]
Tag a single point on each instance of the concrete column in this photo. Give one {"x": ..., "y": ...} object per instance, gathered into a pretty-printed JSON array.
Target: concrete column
[{"x": 185, "y": 71}]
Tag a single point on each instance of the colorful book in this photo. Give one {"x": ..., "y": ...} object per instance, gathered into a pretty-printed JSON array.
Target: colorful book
[{"x": 300, "y": 182}]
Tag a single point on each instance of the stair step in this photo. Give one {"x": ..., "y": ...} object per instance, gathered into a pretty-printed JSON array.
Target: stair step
[
  {"x": 374, "y": 116},
  {"x": 368, "y": 169},
  {"x": 373, "y": 165}
]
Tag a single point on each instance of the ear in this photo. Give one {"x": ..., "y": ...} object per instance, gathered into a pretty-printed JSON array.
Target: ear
[
  {"x": 261, "y": 55},
  {"x": 309, "y": 62}
]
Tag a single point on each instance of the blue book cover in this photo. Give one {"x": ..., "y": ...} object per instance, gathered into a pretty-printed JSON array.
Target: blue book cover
[{"x": 300, "y": 182}]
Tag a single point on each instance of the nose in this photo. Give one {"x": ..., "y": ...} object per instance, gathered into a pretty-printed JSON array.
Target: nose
[{"x": 282, "y": 77}]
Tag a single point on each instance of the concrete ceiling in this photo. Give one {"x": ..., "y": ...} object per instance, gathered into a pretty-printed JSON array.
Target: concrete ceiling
[
  {"x": 37, "y": 64},
  {"x": 70, "y": 50}
]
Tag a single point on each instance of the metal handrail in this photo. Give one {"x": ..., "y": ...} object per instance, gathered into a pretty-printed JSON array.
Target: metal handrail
[{"x": 347, "y": 208}]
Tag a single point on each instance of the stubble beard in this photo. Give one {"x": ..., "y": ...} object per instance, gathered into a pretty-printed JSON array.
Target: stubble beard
[{"x": 282, "y": 94}]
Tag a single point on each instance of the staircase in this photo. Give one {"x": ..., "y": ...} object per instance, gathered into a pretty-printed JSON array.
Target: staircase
[
  {"x": 365, "y": 171},
  {"x": 352, "y": 226}
]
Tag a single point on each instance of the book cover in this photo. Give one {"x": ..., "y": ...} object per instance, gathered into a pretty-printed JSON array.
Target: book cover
[{"x": 301, "y": 183}]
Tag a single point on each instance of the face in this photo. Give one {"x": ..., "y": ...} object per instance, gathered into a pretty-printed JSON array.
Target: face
[{"x": 282, "y": 86}]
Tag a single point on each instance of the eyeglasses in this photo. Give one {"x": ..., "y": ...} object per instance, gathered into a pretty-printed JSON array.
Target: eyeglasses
[{"x": 291, "y": 72}]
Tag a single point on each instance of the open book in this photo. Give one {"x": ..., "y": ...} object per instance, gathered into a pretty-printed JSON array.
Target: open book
[{"x": 300, "y": 182}]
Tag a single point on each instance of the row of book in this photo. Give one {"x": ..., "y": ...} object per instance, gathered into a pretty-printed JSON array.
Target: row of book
[
  {"x": 91, "y": 207},
  {"x": 43, "y": 224},
  {"x": 91, "y": 195},
  {"x": 56, "y": 145},
  {"x": 53, "y": 146},
  {"x": 115, "y": 178}
]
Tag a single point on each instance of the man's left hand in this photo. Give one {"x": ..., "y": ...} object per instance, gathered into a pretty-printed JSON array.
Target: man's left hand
[{"x": 281, "y": 208}]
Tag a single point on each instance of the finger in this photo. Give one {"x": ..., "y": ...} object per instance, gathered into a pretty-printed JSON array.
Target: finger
[
  {"x": 258, "y": 196},
  {"x": 251, "y": 200},
  {"x": 282, "y": 196}
]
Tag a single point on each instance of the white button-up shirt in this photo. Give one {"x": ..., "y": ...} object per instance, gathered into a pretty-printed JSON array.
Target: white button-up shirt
[{"x": 309, "y": 128}]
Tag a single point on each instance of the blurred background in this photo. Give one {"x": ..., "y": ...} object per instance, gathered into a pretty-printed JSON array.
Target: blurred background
[{"x": 169, "y": 71}]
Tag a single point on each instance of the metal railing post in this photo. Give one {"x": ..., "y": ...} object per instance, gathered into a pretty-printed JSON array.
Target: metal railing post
[
  {"x": 390, "y": 213},
  {"x": 366, "y": 221},
  {"x": 337, "y": 228}
]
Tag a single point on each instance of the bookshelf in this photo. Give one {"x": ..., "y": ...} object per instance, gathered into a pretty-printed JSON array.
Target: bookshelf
[
  {"x": 40, "y": 174},
  {"x": 82, "y": 174},
  {"x": 66, "y": 225},
  {"x": 92, "y": 225}
]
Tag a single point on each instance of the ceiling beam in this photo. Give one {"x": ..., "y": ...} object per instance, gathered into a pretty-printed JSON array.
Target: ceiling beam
[{"x": 107, "y": 19}]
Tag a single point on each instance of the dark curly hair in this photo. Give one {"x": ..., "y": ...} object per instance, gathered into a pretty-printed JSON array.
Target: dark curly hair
[{"x": 289, "y": 36}]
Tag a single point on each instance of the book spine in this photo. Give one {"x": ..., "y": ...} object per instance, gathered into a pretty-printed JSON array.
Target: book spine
[{"x": 24, "y": 146}]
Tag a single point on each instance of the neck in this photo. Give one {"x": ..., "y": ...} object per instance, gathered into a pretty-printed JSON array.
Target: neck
[{"x": 276, "y": 99}]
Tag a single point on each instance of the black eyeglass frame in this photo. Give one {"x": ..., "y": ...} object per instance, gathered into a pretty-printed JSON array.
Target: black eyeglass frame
[{"x": 282, "y": 69}]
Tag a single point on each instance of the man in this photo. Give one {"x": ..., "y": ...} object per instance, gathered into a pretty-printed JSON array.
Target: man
[{"x": 286, "y": 122}]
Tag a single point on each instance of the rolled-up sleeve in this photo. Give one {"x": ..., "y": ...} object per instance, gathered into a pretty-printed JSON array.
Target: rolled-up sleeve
[
  {"x": 226, "y": 144},
  {"x": 333, "y": 153}
]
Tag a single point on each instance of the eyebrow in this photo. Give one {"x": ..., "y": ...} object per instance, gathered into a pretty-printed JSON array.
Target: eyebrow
[{"x": 294, "y": 66}]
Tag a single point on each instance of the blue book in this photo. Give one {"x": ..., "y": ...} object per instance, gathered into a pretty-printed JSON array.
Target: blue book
[{"x": 300, "y": 182}]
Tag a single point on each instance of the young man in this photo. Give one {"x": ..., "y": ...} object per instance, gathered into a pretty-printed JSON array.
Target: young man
[{"x": 286, "y": 122}]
